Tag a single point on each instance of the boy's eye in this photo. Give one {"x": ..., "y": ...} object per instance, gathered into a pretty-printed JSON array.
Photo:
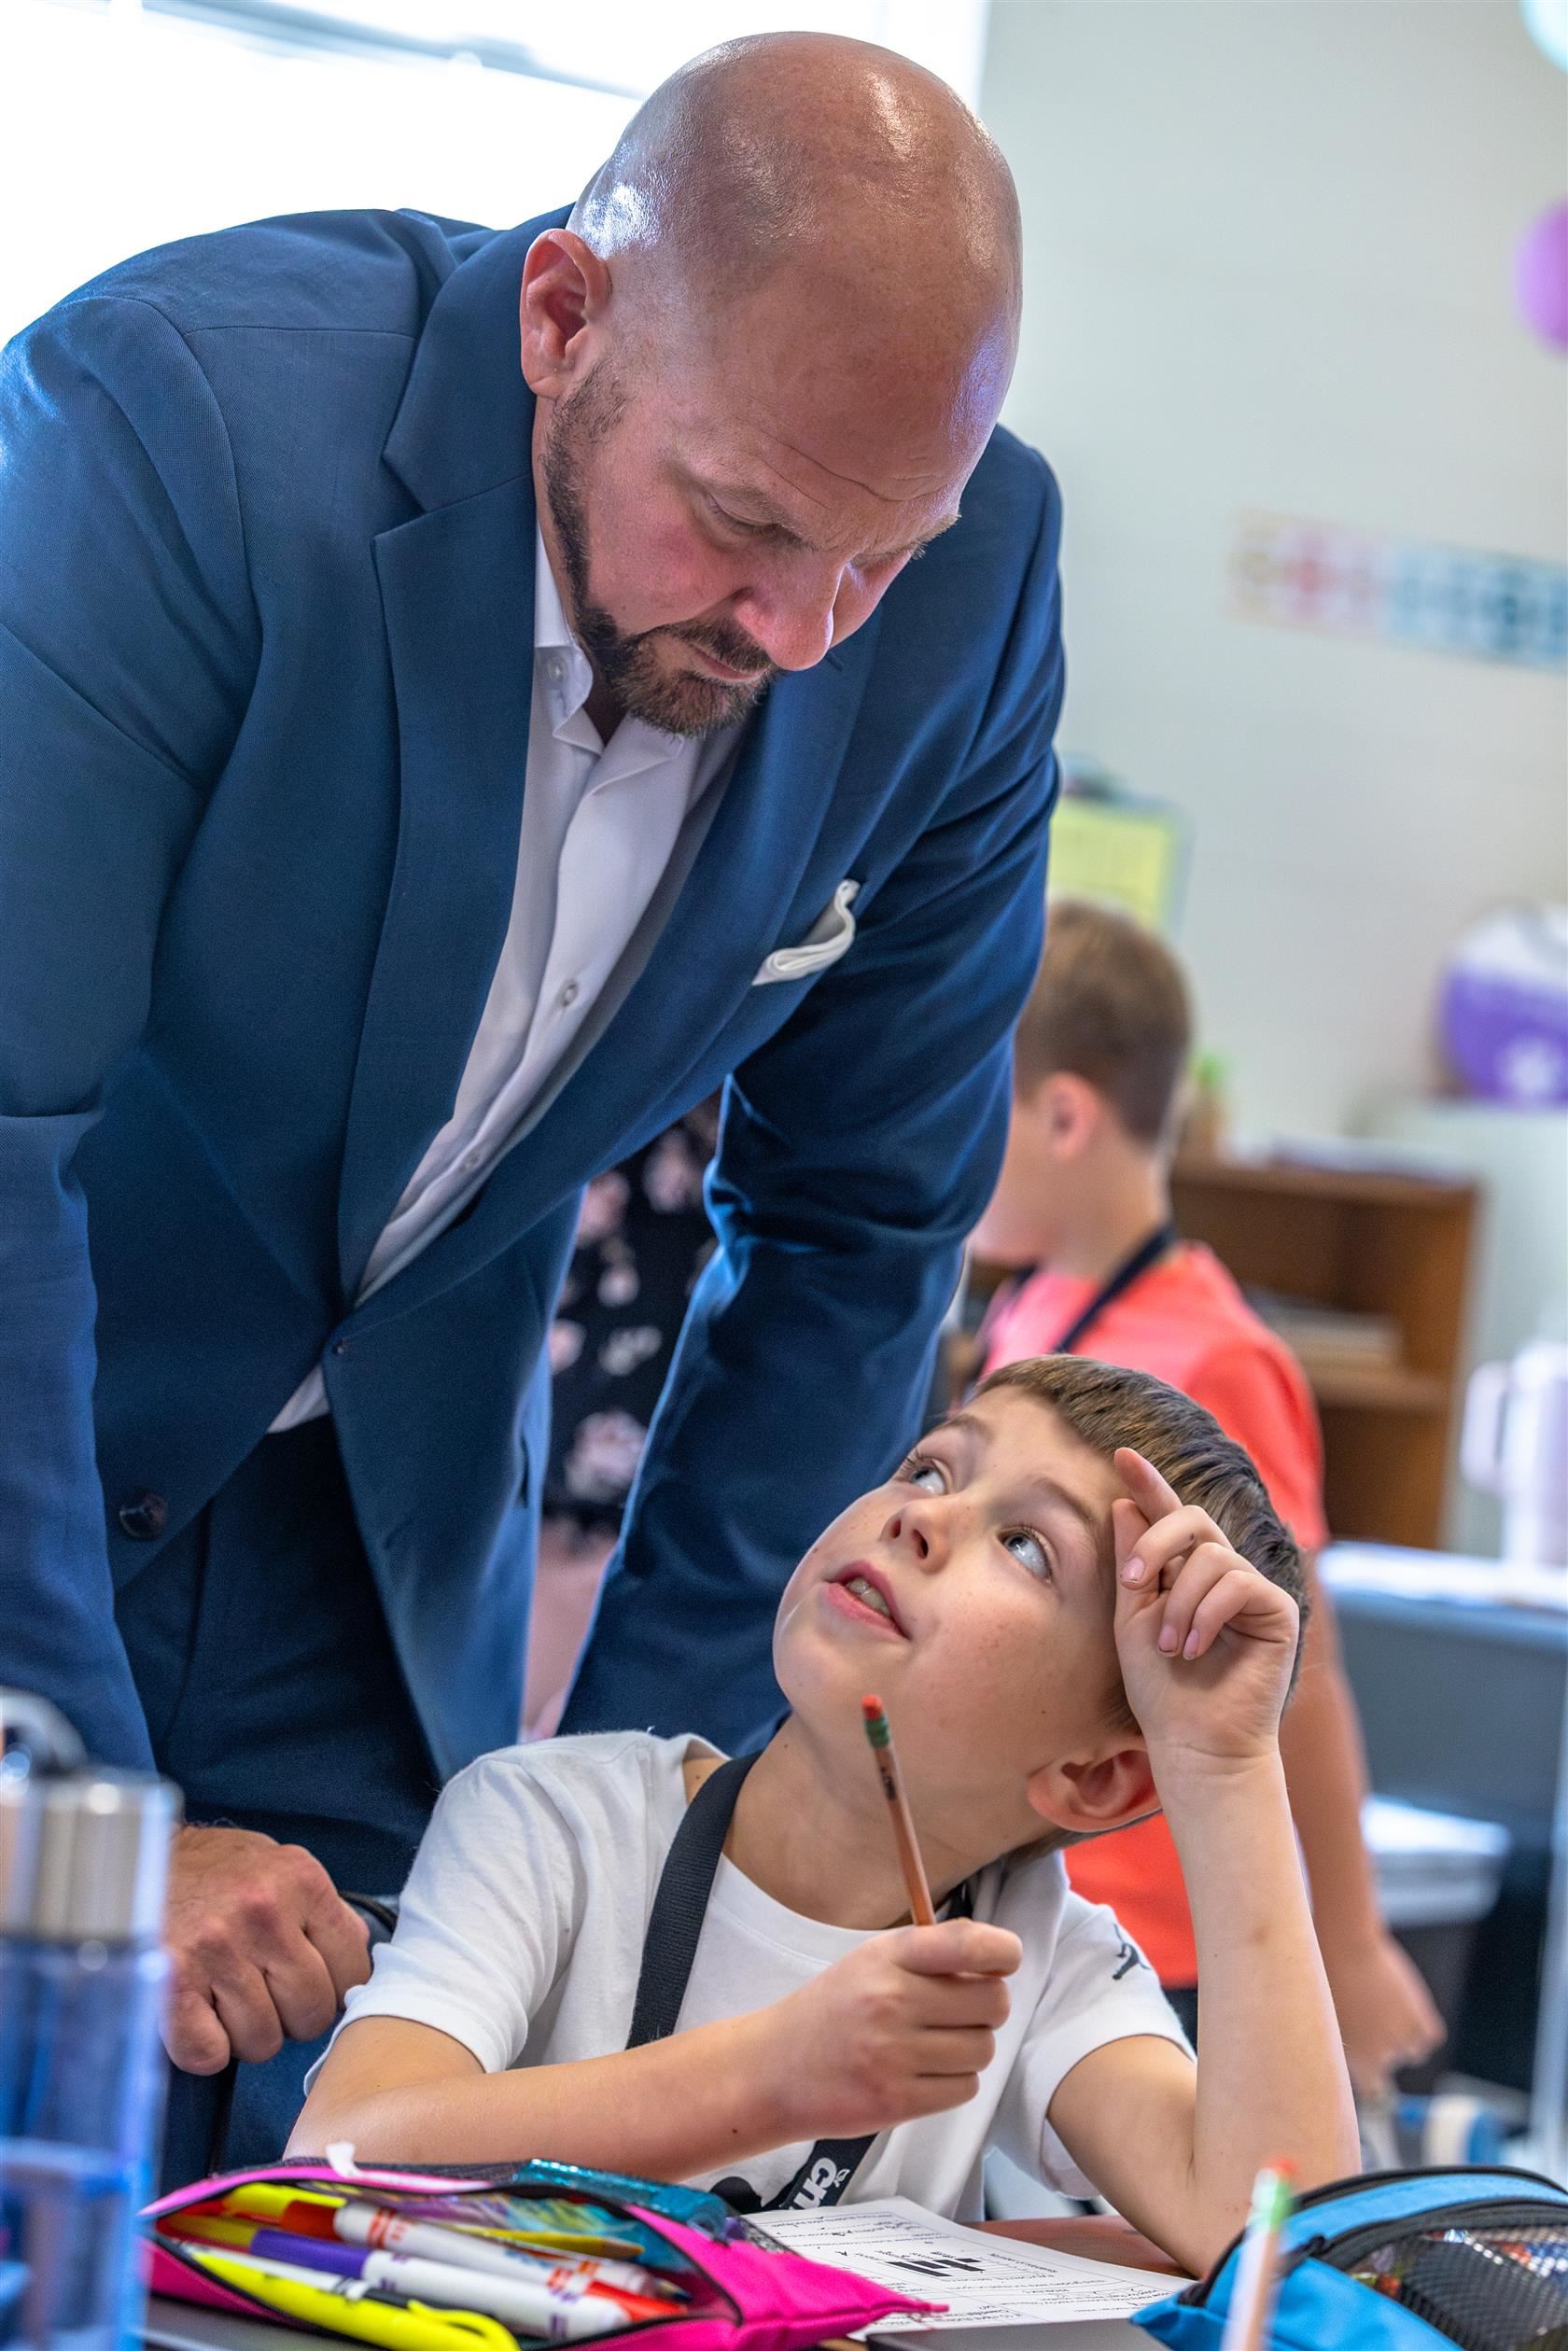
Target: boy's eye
[
  {"x": 920, "y": 1470},
  {"x": 1027, "y": 1547}
]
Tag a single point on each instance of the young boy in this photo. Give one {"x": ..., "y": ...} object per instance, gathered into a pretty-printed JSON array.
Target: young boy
[
  {"x": 1084, "y": 1196},
  {"x": 1064, "y": 1631}
]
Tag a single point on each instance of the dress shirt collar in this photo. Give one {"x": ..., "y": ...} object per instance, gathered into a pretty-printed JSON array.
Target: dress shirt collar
[
  {"x": 567, "y": 676},
  {"x": 568, "y": 680}
]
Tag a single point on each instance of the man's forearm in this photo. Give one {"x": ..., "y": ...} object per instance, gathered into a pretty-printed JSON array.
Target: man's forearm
[
  {"x": 1271, "y": 2078},
  {"x": 669, "y": 2110}
]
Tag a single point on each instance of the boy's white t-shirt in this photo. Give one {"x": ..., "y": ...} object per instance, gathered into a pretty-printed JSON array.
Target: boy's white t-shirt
[{"x": 521, "y": 1935}]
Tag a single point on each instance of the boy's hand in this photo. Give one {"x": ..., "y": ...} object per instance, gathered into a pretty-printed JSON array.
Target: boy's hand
[
  {"x": 1387, "y": 2016},
  {"x": 1206, "y": 1642},
  {"x": 903, "y": 2028}
]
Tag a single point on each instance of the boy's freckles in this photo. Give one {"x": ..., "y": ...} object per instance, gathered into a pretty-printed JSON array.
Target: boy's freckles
[{"x": 1000, "y": 1660}]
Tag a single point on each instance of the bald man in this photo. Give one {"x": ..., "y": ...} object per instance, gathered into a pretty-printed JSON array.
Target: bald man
[{"x": 464, "y": 697}]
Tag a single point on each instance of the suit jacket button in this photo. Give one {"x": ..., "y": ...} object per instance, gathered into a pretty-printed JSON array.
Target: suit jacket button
[{"x": 144, "y": 1518}]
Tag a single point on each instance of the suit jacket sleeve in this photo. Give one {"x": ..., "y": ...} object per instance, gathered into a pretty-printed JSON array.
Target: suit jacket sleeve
[
  {"x": 858, "y": 1149},
  {"x": 126, "y": 646}
]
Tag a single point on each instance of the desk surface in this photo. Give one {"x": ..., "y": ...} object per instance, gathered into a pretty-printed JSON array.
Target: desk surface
[
  {"x": 1094, "y": 2238},
  {"x": 1501, "y": 1599}
]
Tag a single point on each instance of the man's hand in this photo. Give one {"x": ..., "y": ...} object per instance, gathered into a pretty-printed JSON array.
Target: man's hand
[
  {"x": 903, "y": 2028},
  {"x": 1206, "y": 1644},
  {"x": 1387, "y": 2017},
  {"x": 262, "y": 1949}
]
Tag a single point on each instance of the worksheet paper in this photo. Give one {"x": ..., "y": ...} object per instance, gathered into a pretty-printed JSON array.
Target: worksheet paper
[{"x": 989, "y": 2283}]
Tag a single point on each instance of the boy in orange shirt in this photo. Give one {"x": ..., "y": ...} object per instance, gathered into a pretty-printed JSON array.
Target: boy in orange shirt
[{"x": 1083, "y": 1201}]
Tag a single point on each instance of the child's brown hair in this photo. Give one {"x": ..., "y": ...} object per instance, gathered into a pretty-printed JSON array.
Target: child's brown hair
[
  {"x": 1110, "y": 1004},
  {"x": 1105, "y": 1406}
]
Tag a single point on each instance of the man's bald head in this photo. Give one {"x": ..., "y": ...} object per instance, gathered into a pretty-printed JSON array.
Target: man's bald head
[
  {"x": 768, "y": 351},
  {"x": 844, "y": 165}
]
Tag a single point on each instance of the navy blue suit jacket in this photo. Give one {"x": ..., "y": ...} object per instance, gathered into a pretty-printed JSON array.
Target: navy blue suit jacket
[{"x": 266, "y": 589}]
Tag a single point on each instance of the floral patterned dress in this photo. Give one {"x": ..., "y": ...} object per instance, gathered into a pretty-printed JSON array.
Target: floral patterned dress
[{"x": 642, "y": 1239}]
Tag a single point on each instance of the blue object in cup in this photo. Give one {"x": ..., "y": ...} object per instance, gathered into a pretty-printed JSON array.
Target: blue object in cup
[{"x": 83, "y": 1862}]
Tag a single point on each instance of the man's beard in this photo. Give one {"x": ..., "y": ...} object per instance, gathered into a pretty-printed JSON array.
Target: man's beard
[{"x": 677, "y": 700}]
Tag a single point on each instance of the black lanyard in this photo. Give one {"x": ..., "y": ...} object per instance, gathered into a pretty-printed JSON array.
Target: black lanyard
[
  {"x": 1132, "y": 1269},
  {"x": 674, "y": 1928}
]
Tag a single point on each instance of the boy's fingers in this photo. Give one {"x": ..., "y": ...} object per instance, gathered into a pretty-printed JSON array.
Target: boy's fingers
[
  {"x": 1234, "y": 1593},
  {"x": 959, "y": 1947},
  {"x": 1205, "y": 1568},
  {"x": 1168, "y": 1542},
  {"x": 1136, "y": 1589},
  {"x": 1127, "y": 1526},
  {"x": 1148, "y": 1489},
  {"x": 935, "y": 2093},
  {"x": 956, "y": 2050},
  {"x": 945, "y": 2001}
]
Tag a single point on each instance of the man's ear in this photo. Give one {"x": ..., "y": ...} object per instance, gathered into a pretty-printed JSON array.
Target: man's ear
[
  {"x": 565, "y": 292},
  {"x": 1088, "y": 1794}
]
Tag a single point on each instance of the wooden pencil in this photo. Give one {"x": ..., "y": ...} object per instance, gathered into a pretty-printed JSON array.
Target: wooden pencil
[{"x": 913, "y": 1868}]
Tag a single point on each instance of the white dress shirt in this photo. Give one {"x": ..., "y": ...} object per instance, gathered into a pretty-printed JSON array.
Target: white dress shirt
[{"x": 599, "y": 823}]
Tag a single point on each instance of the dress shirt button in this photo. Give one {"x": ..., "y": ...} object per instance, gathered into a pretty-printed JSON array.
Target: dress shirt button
[
  {"x": 339, "y": 1347},
  {"x": 568, "y": 996},
  {"x": 555, "y": 669},
  {"x": 144, "y": 1518},
  {"x": 471, "y": 1161}
]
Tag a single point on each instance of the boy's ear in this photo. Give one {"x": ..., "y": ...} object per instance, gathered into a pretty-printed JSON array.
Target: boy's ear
[
  {"x": 1067, "y": 1112},
  {"x": 1090, "y": 1794}
]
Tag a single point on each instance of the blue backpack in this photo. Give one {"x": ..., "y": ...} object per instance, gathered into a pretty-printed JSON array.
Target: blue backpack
[{"x": 1399, "y": 2262}]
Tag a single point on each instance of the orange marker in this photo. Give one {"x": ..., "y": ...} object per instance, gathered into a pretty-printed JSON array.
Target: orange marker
[{"x": 913, "y": 1868}]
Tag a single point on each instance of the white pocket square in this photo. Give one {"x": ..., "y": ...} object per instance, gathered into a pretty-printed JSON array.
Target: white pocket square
[{"x": 830, "y": 936}]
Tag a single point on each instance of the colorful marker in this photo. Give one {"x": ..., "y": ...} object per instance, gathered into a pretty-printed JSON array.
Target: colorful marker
[
  {"x": 881, "y": 1737},
  {"x": 308, "y": 2216},
  {"x": 1252, "y": 2297},
  {"x": 356, "y": 2225},
  {"x": 345, "y": 2307},
  {"x": 544, "y": 2221},
  {"x": 359, "y": 2223},
  {"x": 559, "y": 2308}
]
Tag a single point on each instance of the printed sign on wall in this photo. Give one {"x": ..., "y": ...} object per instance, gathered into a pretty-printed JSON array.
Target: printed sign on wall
[{"x": 1443, "y": 599}]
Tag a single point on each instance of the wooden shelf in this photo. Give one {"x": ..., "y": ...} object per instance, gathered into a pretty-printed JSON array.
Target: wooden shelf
[
  {"x": 1366, "y": 1241},
  {"x": 1285, "y": 1179},
  {"x": 1379, "y": 1387}
]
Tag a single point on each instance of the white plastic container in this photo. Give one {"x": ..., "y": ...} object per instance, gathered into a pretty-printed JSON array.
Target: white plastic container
[
  {"x": 1515, "y": 1445},
  {"x": 1434, "y": 1870}
]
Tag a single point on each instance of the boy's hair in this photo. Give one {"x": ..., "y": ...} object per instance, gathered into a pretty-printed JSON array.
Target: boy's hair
[
  {"x": 1106, "y": 1405},
  {"x": 1110, "y": 1004}
]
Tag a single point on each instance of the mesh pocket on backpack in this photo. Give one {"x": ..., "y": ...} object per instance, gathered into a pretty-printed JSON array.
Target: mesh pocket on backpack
[{"x": 1493, "y": 2287}]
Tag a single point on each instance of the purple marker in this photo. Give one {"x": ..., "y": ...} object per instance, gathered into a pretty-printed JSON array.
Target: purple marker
[
  {"x": 560, "y": 2308},
  {"x": 307, "y": 2253}
]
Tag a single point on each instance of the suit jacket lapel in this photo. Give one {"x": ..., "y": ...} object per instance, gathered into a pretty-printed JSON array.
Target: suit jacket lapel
[
  {"x": 457, "y": 597},
  {"x": 458, "y": 593},
  {"x": 685, "y": 975}
]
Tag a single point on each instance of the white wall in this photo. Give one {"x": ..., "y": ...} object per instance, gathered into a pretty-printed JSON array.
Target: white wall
[{"x": 1269, "y": 248}]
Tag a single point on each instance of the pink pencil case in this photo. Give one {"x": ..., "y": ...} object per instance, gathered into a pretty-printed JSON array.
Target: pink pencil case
[{"x": 740, "y": 2292}]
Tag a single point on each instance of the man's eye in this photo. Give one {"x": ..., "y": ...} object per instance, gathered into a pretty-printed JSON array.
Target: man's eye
[
  {"x": 1027, "y": 1547},
  {"x": 920, "y": 1470},
  {"x": 734, "y": 522}
]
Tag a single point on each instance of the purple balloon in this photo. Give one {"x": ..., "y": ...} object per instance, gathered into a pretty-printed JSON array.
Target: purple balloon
[{"x": 1541, "y": 276}]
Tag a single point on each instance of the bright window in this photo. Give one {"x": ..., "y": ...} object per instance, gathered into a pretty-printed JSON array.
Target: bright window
[{"x": 126, "y": 125}]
